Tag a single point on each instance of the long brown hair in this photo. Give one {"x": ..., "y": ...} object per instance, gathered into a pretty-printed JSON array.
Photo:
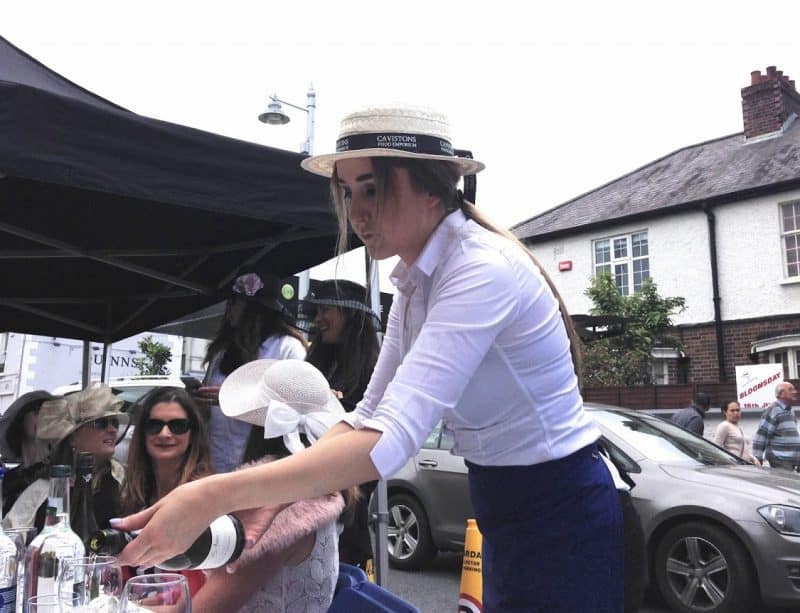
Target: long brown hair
[
  {"x": 239, "y": 344},
  {"x": 441, "y": 179},
  {"x": 139, "y": 488}
]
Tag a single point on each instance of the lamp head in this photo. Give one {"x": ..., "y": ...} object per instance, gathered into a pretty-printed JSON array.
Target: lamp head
[{"x": 274, "y": 114}]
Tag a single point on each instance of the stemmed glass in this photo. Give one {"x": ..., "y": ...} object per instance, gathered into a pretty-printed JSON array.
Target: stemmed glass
[
  {"x": 162, "y": 592},
  {"x": 47, "y": 603},
  {"x": 90, "y": 583}
]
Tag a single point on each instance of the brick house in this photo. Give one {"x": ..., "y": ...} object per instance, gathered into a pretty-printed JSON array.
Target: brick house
[{"x": 716, "y": 222}]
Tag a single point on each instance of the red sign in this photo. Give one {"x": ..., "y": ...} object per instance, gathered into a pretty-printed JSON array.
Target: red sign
[{"x": 564, "y": 265}]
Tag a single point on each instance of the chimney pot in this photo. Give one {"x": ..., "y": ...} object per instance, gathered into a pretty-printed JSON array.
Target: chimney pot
[{"x": 765, "y": 109}]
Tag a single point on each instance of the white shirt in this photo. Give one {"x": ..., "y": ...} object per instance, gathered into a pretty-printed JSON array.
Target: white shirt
[
  {"x": 228, "y": 436},
  {"x": 474, "y": 338}
]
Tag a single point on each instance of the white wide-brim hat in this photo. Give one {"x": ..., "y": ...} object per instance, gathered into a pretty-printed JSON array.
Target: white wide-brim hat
[
  {"x": 286, "y": 397},
  {"x": 401, "y": 132}
]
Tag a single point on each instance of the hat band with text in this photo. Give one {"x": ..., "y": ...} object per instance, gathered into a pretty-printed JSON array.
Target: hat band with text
[{"x": 399, "y": 141}]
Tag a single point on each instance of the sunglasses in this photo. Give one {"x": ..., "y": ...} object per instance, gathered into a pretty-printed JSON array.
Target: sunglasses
[
  {"x": 101, "y": 423},
  {"x": 176, "y": 426}
]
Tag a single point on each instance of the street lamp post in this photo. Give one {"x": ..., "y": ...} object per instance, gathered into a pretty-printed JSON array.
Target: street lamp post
[{"x": 275, "y": 116}]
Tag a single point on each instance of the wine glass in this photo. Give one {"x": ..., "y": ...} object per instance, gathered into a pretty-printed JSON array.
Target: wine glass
[
  {"x": 47, "y": 603},
  {"x": 162, "y": 592},
  {"x": 90, "y": 583}
]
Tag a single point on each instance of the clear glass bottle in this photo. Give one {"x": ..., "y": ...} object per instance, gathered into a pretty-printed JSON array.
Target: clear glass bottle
[
  {"x": 55, "y": 543},
  {"x": 8, "y": 563}
]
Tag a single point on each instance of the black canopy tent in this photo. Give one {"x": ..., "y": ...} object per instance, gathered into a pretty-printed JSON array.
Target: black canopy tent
[{"x": 112, "y": 223}]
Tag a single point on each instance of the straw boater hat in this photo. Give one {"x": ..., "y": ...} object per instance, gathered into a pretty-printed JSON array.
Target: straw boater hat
[
  {"x": 60, "y": 417},
  {"x": 17, "y": 410},
  {"x": 287, "y": 397},
  {"x": 338, "y": 293},
  {"x": 393, "y": 132}
]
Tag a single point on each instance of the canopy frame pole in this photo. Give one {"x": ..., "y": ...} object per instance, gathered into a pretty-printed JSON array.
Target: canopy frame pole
[
  {"x": 51, "y": 316},
  {"x": 68, "y": 248},
  {"x": 381, "y": 519},
  {"x": 159, "y": 252}
]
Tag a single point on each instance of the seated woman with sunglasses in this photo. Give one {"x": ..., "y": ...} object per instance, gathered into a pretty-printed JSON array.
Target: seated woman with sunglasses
[
  {"x": 169, "y": 447},
  {"x": 87, "y": 421}
]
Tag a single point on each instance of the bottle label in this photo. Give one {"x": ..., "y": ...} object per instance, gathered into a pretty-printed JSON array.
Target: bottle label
[
  {"x": 223, "y": 543},
  {"x": 8, "y": 599},
  {"x": 56, "y": 503}
]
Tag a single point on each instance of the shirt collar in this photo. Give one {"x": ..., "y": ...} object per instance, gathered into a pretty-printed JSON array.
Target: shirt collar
[{"x": 407, "y": 278}]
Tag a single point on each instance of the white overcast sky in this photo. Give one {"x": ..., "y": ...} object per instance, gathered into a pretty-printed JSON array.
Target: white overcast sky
[{"x": 555, "y": 97}]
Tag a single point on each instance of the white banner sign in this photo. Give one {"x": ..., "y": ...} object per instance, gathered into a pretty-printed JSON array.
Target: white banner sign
[{"x": 755, "y": 384}]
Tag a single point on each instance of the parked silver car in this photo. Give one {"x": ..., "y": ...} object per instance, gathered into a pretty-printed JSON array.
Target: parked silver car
[{"x": 721, "y": 535}]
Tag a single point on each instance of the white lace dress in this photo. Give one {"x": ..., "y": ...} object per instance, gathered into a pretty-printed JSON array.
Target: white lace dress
[{"x": 305, "y": 588}]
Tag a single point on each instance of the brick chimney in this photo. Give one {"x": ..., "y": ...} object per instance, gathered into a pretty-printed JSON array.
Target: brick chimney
[{"x": 768, "y": 102}]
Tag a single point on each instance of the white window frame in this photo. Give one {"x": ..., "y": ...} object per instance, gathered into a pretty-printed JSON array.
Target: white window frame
[
  {"x": 790, "y": 239},
  {"x": 194, "y": 352},
  {"x": 659, "y": 363},
  {"x": 784, "y": 350},
  {"x": 620, "y": 253},
  {"x": 3, "y": 350}
]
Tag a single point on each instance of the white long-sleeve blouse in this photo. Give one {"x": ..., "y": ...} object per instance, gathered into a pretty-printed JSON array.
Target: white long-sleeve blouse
[{"x": 474, "y": 338}]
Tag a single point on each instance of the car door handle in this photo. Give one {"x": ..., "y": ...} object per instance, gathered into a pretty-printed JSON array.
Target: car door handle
[{"x": 429, "y": 463}]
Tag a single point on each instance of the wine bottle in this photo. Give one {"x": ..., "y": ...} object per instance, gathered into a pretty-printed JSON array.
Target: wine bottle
[
  {"x": 83, "y": 520},
  {"x": 8, "y": 564},
  {"x": 55, "y": 543},
  {"x": 221, "y": 543}
]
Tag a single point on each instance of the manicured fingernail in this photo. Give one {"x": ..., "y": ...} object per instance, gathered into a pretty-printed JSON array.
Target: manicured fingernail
[
  {"x": 249, "y": 543},
  {"x": 115, "y": 521},
  {"x": 230, "y": 569}
]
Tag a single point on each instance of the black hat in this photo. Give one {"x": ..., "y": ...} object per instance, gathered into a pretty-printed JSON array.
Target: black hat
[
  {"x": 265, "y": 288},
  {"x": 16, "y": 410},
  {"x": 342, "y": 294}
]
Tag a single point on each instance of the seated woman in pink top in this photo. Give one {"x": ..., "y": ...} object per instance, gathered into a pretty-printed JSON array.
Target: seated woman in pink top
[{"x": 729, "y": 433}]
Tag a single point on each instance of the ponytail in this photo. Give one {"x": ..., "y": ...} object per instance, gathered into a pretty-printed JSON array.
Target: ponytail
[
  {"x": 471, "y": 212},
  {"x": 441, "y": 179}
]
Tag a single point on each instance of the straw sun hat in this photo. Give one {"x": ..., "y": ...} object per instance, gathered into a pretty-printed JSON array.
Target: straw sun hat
[
  {"x": 60, "y": 417},
  {"x": 287, "y": 397},
  {"x": 393, "y": 132}
]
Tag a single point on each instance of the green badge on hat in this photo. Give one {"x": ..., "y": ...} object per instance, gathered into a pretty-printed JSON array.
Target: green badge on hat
[{"x": 287, "y": 291}]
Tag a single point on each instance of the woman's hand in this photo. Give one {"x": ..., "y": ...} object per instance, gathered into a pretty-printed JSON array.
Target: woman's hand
[
  {"x": 255, "y": 523},
  {"x": 171, "y": 525},
  {"x": 207, "y": 395}
]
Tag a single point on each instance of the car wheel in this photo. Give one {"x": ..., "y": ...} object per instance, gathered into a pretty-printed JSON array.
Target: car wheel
[
  {"x": 409, "y": 534},
  {"x": 702, "y": 567}
]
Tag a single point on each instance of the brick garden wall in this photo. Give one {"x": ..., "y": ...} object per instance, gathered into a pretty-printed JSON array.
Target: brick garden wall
[{"x": 700, "y": 344}]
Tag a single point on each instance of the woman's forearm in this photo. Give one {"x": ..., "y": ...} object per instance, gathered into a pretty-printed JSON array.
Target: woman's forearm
[{"x": 334, "y": 463}]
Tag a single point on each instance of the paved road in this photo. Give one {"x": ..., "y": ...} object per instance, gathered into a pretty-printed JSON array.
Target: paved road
[{"x": 435, "y": 589}]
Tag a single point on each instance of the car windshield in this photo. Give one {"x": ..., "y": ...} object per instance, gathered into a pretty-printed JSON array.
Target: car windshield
[
  {"x": 662, "y": 441},
  {"x": 131, "y": 394}
]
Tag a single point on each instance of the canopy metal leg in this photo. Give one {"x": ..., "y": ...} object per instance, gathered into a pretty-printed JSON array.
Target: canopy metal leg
[{"x": 381, "y": 520}]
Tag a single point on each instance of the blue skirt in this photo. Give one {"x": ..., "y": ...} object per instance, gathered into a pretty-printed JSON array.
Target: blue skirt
[{"x": 552, "y": 536}]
